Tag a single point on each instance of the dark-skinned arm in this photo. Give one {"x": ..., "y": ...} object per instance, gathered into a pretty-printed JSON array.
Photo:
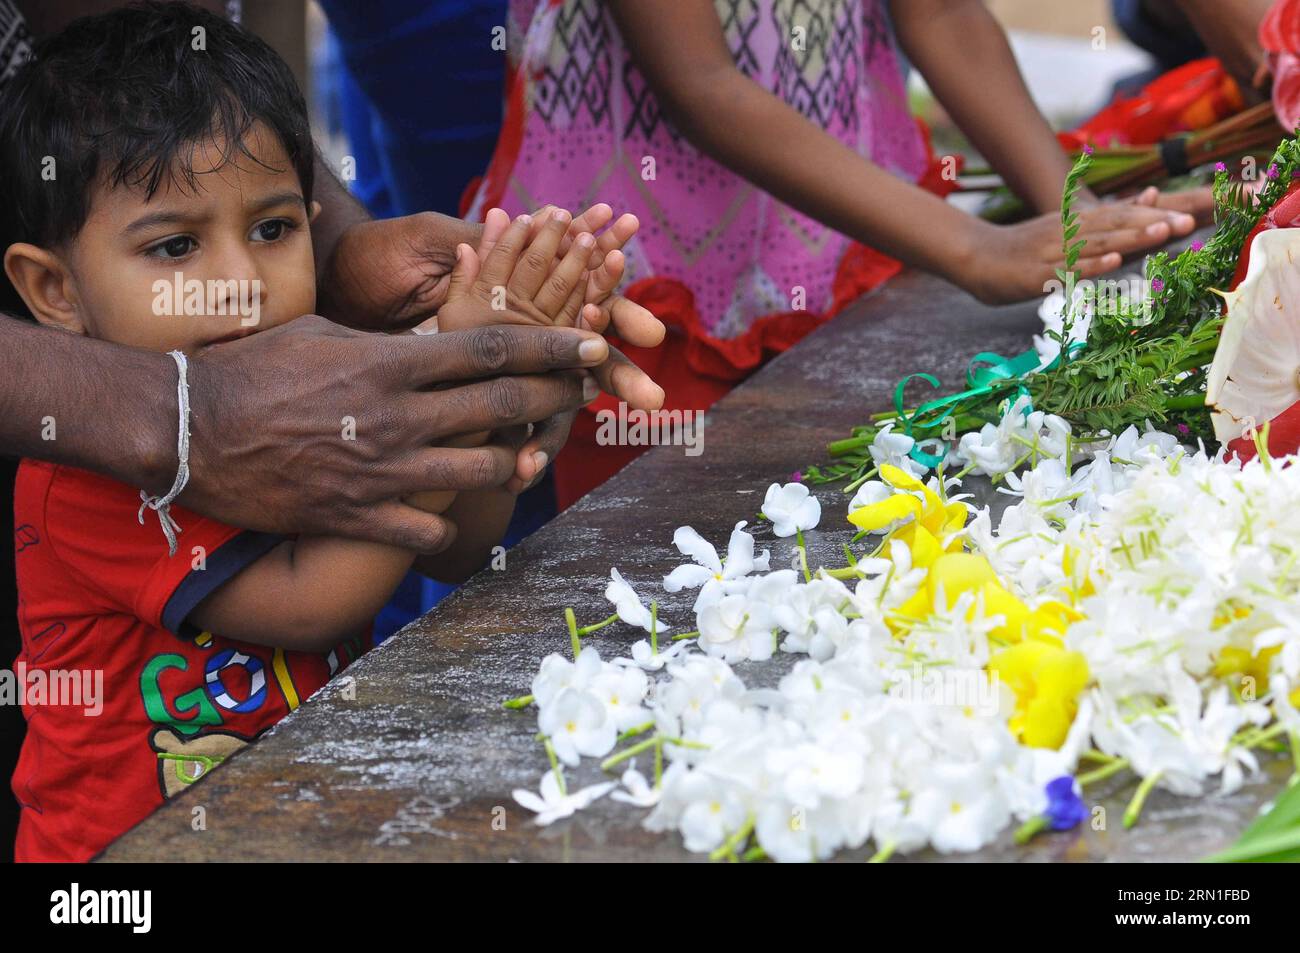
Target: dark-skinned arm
[{"x": 680, "y": 48}]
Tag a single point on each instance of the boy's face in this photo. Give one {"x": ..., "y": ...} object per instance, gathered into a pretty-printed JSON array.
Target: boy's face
[{"x": 240, "y": 242}]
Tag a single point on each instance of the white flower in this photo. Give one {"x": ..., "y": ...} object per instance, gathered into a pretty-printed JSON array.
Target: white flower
[
  {"x": 735, "y": 628},
  {"x": 648, "y": 660},
  {"x": 628, "y": 604},
  {"x": 578, "y": 725},
  {"x": 622, "y": 689},
  {"x": 637, "y": 790},
  {"x": 708, "y": 574},
  {"x": 894, "y": 449},
  {"x": 712, "y": 811},
  {"x": 558, "y": 673},
  {"x": 551, "y": 805},
  {"x": 791, "y": 508}
]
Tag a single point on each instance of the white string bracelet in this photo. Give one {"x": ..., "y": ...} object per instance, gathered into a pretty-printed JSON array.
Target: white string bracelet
[{"x": 162, "y": 504}]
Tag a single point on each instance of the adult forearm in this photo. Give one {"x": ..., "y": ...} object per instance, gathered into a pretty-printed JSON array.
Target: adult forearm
[
  {"x": 1230, "y": 30},
  {"x": 963, "y": 53},
  {"x": 339, "y": 211},
  {"x": 88, "y": 403}
]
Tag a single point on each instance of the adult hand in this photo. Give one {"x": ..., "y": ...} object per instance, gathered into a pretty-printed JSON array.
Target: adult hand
[
  {"x": 310, "y": 427},
  {"x": 385, "y": 275}
]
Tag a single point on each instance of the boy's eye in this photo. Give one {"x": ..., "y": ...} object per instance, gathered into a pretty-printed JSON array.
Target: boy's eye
[
  {"x": 271, "y": 230},
  {"x": 177, "y": 247}
]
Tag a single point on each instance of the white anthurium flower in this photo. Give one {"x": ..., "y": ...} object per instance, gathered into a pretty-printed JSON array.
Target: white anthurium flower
[
  {"x": 622, "y": 689},
  {"x": 791, "y": 508},
  {"x": 578, "y": 725},
  {"x": 645, "y": 658},
  {"x": 636, "y": 789},
  {"x": 628, "y": 604},
  {"x": 558, "y": 673},
  {"x": 550, "y": 805},
  {"x": 709, "y": 574}
]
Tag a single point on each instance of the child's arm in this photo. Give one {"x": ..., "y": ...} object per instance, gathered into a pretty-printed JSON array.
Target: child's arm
[
  {"x": 306, "y": 594},
  {"x": 680, "y": 47}
]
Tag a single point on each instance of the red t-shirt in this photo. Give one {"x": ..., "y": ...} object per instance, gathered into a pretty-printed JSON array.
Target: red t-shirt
[{"x": 97, "y": 593}]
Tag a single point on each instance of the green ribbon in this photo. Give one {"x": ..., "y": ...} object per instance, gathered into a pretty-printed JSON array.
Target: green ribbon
[{"x": 980, "y": 381}]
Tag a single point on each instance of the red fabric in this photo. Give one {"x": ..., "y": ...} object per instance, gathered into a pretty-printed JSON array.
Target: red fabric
[
  {"x": 94, "y": 587},
  {"x": 1192, "y": 96}
]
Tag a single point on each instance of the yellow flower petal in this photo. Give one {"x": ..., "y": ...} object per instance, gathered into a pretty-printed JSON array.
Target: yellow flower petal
[{"x": 876, "y": 516}]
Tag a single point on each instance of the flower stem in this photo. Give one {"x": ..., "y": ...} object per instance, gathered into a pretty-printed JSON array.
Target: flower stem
[
  {"x": 574, "y": 641},
  {"x": 803, "y": 555},
  {"x": 523, "y": 701},
  {"x": 728, "y": 848},
  {"x": 654, "y": 627},
  {"x": 595, "y": 626},
  {"x": 631, "y": 752},
  {"x": 555, "y": 766},
  {"x": 1031, "y": 829},
  {"x": 883, "y": 855},
  {"x": 638, "y": 730},
  {"x": 1134, "y": 808},
  {"x": 1115, "y": 767},
  {"x": 685, "y": 635}
]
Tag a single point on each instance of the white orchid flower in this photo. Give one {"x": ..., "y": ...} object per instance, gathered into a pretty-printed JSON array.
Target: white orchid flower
[
  {"x": 791, "y": 508},
  {"x": 550, "y": 805}
]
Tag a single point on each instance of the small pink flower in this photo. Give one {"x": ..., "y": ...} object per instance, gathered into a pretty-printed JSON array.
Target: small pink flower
[
  {"x": 1087, "y": 150},
  {"x": 796, "y": 477},
  {"x": 1272, "y": 171},
  {"x": 1157, "y": 285},
  {"x": 1220, "y": 167},
  {"x": 1184, "y": 429},
  {"x": 1198, "y": 245}
]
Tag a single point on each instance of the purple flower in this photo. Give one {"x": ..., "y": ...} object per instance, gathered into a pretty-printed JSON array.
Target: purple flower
[
  {"x": 1157, "y": 285},
  {"x": 1065, "y": 809},
  {"x": 1087, "y": 150},
  {"x": 1198, "y": 245},
  {"x": 796, "y": 477},
  {"x": 1184, "y": 429},
  {"x": 1272, "y": 171},
  {"x": 1220, "y": 167}
]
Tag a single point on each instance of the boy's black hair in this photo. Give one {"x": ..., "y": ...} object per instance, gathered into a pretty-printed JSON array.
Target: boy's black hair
[{"x": 118, "y": 98}]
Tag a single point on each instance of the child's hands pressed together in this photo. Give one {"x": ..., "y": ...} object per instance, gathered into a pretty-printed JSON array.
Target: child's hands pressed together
[{"x": 522, "y": 277}]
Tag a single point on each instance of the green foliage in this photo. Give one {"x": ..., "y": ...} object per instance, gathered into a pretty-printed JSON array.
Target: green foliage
[
  {"x": 1273, "y": 838},
  {"x": 1144, "y": 360}
]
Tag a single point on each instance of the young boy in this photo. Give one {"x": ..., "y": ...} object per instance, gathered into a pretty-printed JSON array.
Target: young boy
[{"x": 151, "y": 155}]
